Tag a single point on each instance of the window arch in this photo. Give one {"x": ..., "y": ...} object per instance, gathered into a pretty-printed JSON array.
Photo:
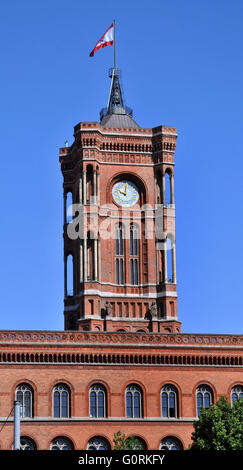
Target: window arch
[
  {"x": 134, "y": 401},
  {"x": 61, "y": 401},
  {"x": 204, "y": 397},
  {"x": 24, "y": 395},
  {"x": 119, "y": 253},
  {"x": 171, "y": 443},
  {"x": 169, "y": 402},
  {"x": 97, "y": 401},
  {"x": 26, "y": 443},
  {"x": 61, "y": 443},
  {"x": 236, "y": 393},
  {"x": 98, "y": 443},
  {"x": 134, "y": 254}
]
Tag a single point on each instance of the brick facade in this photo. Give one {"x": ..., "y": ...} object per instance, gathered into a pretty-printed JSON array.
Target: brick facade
[
  {"x": 121, "y": 333},
  {"x": 115, "y": 360}
]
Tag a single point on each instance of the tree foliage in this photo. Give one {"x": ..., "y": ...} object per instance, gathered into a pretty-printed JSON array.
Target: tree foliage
[
  {"x": 123, "y": 443},
  {"x": 219, "y": 427}
]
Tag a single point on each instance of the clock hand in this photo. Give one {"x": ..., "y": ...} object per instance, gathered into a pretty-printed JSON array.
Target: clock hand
[{"x": 124, "y": 192}]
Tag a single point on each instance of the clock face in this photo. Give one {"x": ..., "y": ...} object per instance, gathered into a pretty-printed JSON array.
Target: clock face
[{"x": 125, "y": 193}]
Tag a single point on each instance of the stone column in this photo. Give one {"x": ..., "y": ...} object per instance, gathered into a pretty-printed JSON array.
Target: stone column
[
  {"x": 81, "y": 261},
  {"x": 65, "y": 276},
  {"x": 98, "y": 186},
  {"x": 174, "y": 262},
  {"x": 165, "y": 261},
  {"x": 96, "y": 259},
  {"x": 84, "y": 187},
  {"x": 163, "y": 189},
  {"x": 172, "y": 196},
  {"x": 85, "y": 259},
  {"x": 95, "y": 187},
  {"x": 81, "y": 189}
]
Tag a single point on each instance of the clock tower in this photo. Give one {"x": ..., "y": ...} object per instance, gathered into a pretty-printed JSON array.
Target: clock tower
[{"x": 119, "y": 224}]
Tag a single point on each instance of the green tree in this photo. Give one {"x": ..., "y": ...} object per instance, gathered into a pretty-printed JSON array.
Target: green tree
[
  {"x": 219, "y": 427},
  {"x": 121, "y": 443}
]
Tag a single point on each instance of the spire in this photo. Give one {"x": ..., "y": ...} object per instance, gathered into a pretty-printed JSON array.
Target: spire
[
  {"x": 115, "y": 101},
  {"x": 116, "y": 114}
]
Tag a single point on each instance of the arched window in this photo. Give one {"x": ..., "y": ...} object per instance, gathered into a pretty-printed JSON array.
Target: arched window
[
  {"x": 133, "y": 402},
  {"x": 133, "y": 253},
  {"x": 137, "y": 443},
  {"x": 69, "y": 207},
  {"x": 61, "y": 443},
  {"x": 24, "y": 395},
  {"x": 26, "y": 443},
  {"x": 97, "y": 401},
  {"x": 119, "y": 253},
  {"x": 90, "y": 184},
  {"x": 168, "y": 198},
  {"x": 69, "y": 275},
  {"x": 204, "y": 398},
  {"x": 236, "y": 393},
  {"x": 61, "y": 401},
  {"x": 170, "y": 443},
  {"x": 169, "y": 262},
  {"x": 169, "y": 401},
  {"x": 98, "y": 443}
]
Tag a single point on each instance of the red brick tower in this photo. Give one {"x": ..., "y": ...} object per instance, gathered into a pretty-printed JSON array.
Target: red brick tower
[{"x": 119, "y": 224}]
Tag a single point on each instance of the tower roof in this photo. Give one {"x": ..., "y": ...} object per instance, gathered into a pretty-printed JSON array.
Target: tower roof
[{"x": 116, "y": 114}]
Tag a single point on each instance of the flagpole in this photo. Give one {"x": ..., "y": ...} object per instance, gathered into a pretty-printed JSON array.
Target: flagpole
[{"x": 114, "y": 22}]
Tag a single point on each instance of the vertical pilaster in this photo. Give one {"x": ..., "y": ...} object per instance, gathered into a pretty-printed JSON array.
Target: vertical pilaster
[
  {"x": 174, "y": 262},
  {"x": 95, "y": 259},
  {"x": 163, "y": 189},
  {"x": 95, "y": 187},
  {"x": 85, "y": 258},
  {"x": 84, "y": 187},
  {"x": 81, "y": 189}
]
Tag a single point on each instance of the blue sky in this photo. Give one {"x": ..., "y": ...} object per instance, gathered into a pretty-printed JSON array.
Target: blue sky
[{"x": 181, "y": 65}]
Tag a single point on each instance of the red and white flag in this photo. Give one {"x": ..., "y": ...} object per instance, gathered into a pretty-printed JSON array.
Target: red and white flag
[{"x": 106, "y": 40}]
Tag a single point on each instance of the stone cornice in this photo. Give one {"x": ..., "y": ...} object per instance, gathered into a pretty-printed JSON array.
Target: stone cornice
[{"x": 115, "y": 338}]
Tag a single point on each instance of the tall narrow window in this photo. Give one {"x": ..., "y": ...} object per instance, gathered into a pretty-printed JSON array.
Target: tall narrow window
[
  {"x": 169, "y": 401},
  {"x": 61, "y": 398},
  {"x": 119, "y": 253},
  {"x": 90, "y": 184},
  {"x": 69, "y": 207},
  {"x": 133, "y": 252},
  {"x": 69, "y": 286},
  {"x": 168, "y": 198},
  {"x": 204, "y": 398},
  {"x": 133, "y": 402},
  {"x": 169, "y": 255},
  {"x": 24, "y": 395},
  {"x": 97, "y": 399},
  {"x": 90, "y": 256}
]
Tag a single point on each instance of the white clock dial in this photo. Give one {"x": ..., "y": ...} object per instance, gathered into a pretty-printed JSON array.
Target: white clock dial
[{"x": 125, "y": 193}]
